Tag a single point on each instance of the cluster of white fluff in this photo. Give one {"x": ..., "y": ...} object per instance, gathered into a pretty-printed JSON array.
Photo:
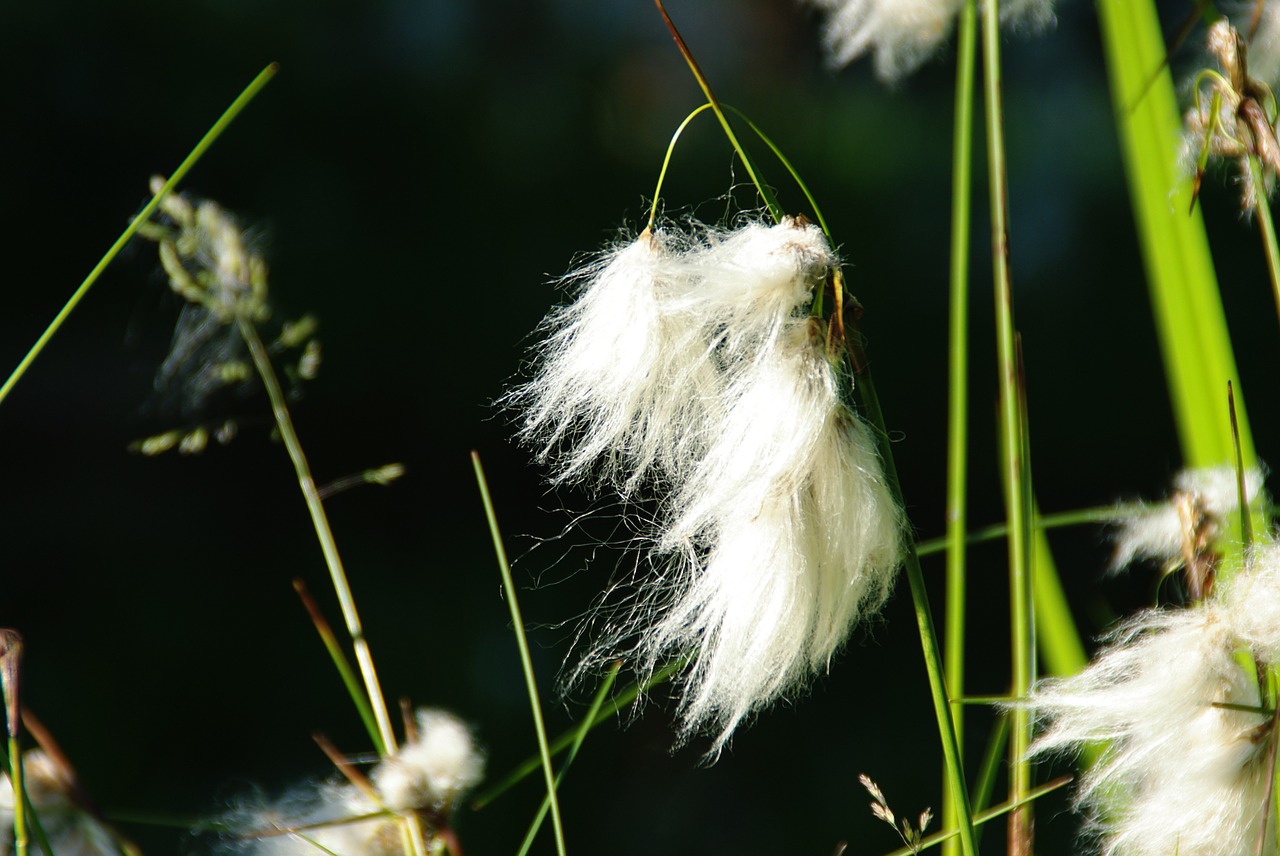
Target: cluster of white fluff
[
  {"x": 1176, "y": 711},
  {"x": 1205, "y": 496},
  {"x": 904, "y": 33},
  {"x": 427, "y": 776},
  {"x": 690, "y": 363},
  {"x": 72, "y": 830}
]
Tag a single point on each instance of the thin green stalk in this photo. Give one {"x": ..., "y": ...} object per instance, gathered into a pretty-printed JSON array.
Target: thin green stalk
[
  {"x": 924, "y": 620},
  {"x": 983, "y": 817},
  {"x": 958, "y": 386},
  {"x": 191, "y": 159},
  {"x": 611, "y": 709},
  {"x": 1017, "y": 498},
  {"x": 1043, "y": 522},
  {"x": 385, "y": 736},
  {"x": 578, "y": 738},
  {"x": 522, "y": 643},
  {"x": 1267, "y": 228},
  {"x": 766, "y": 193},
  {"x": 349, "y": 678}
]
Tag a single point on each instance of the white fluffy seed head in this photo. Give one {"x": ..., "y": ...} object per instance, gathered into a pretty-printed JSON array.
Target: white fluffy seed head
[
  {"x": 902, "y": 34},
  {"x": 1251, "y": 598},
  {"x": 1264, "y": 50},
  {"x": 71, "y": 829},
  {"x": 1157, "y": 531},
  {"x": 434, "y": 770},
  {"x": 1179, "y": 772},
  {"x": 314, "y": 814},
  {"x": 691, "y": 362}
]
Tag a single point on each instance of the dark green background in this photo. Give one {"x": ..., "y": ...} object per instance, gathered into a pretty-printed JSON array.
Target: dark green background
[{"x": 417, "y": 174}]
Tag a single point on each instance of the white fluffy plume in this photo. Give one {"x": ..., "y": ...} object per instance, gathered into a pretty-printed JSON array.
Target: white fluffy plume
[
  {"x": 902, "y": 34},
  {"x": 1179, "y": 772},
  {"x": 694, "y": 360}
]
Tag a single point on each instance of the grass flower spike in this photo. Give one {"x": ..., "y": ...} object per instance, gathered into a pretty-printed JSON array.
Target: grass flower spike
[{"x": 775, "y": 531}]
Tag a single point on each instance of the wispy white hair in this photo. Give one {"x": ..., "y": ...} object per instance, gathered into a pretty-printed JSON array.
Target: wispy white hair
[
  {"x": 1156, "y": 531},
  {"x": 1179, "y": 771},
  {"x": 694, "y": 359},
  {"x": 902, "y": 34}
]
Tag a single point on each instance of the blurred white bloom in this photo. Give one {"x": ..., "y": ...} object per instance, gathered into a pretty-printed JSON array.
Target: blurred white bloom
[
  {"x": 904, "y": 33},
  {"x": 1179, "y": 772},
  {"x": 72, "y": 830},
  {"x": 1264, "y": 50},
  {"x": 433, "y": 770},
  {"x": 1201, "y": 499},
  {"x": 1251, "y": 599},
  {"x": 427, "y": 776},
  {"x": 695, "y": 359}
]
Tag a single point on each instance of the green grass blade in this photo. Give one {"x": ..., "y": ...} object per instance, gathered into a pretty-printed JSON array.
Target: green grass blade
[
  {"x": 578, "y": 738},
  {"x": 522, "y": 643},
  {"x": 958, "y": 390},
  {"x": 178, "y": 174},
  {"x": 1190, "y": 322}
]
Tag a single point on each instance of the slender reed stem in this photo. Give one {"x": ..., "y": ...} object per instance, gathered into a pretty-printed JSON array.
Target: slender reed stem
[
  {"x": 191, "y": 159},
  {"x": 924, "y": 619},
  {"x": 284, "y": 422},
  {"x": 1017, "y": 499},
  {"x": 10, "y": 682},
  {"x": 1267, "y": 229},
  {"x": 958, "y": 386},
  {"x": 509, "y": 587},
  {"x": 766, "y": 193}
]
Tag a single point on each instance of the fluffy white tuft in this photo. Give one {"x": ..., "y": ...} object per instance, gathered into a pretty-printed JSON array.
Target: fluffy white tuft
[
  {"x": 1264, "y": 50},
  {"x": 1157, "y": 531},
  {"x": 622, "y": 373},
  {"x": 71, "y": 829},
  {"x": 776, "y": 531},
  {"x": 1178, "y": 773},
  {"x": 1251, "y": 598},
  {"x": 902, "y": 34},
  {"x": 434, "y": 770}
]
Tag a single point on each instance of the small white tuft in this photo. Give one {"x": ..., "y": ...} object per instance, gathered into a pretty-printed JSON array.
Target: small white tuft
[
  {"x": 1158, "y": 532},
  {"x": 902, "y": 34},
  {"x": 434, "y": 770},
  {"x": 72, "y": 830}
]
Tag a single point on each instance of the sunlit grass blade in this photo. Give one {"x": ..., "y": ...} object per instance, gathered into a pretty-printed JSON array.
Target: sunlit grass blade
[
  {"x": 958, "y": 387},
  {"x": 1190, "y": 322},
  {"x": 178, "y": 174},
  {"x": 526, "y": 662}
]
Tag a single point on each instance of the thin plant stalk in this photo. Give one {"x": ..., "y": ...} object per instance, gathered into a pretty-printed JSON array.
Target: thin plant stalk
[
  {"x": 522, "y": 643},
  {"x": 284, "y": 422},
  {"x": 958, "y": 390},
  {"x": 1017, "y": 498},
  {"x": 10, "y": 683},
  {"x": 578, "y": 739},
  {"x": 924, "y": 620},
  {"x": 1267, "y": 229},
  {"x": 144, "y": 216},
  {"x": 766, "y": 193}
]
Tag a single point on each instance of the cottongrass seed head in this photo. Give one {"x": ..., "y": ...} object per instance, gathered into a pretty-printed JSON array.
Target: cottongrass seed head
[
  {"x": 1180, "y": 771},
  {"x": 693, "y": 358},
  {"x": 902, "y": 34},
  {"x": 427, "y": 776}
]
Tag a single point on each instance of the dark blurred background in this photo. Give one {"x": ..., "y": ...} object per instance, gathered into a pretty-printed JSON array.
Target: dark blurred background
[{"x": 418, "y": 174}]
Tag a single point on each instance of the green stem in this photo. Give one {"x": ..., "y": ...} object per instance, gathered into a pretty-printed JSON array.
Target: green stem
[
  {"x": 766, "y": 193},
  {"x": 1267, "y": 227},
  {"x": 958, "y": 385},
  {"x": 526, "y": 662},
  {"x": 924, "y": 620},
  {"x": 1017, "y": 500},
  {"x": 206, "y": 141},
  {"x": 384, "y": 736}
]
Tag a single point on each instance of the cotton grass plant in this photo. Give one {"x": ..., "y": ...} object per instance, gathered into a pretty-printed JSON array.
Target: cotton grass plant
[{"x": 715, "y": 380}]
